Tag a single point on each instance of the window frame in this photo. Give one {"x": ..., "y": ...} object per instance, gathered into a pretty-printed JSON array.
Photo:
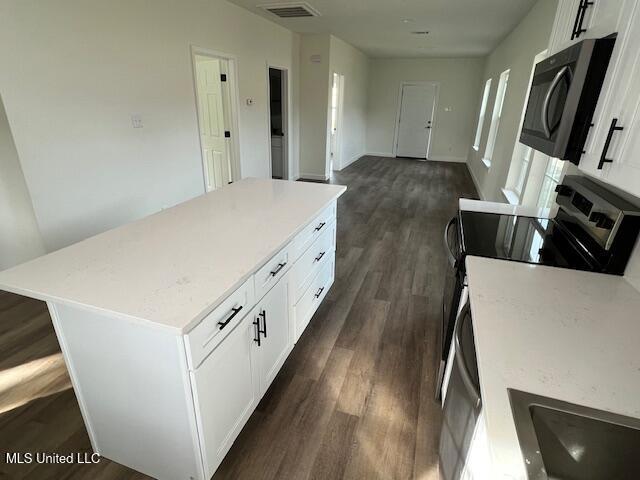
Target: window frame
[
  {"x": 496, "y": 115},
  {"x": 482, "y": 114},
  {"x": 546, "y": 197}
]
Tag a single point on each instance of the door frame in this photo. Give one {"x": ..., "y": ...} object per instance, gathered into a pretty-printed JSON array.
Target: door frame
[
  {"x": 336, "y": 163},
  {"x": 436, "y": 96},
  {"x": 234, "y": 103},
  {"x": 286, "y": 106}
]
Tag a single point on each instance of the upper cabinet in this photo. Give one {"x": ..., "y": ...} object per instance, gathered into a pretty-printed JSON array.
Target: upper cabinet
[
  {"x": 577, "y": 20},
  {"x": 612, "y": 150}
]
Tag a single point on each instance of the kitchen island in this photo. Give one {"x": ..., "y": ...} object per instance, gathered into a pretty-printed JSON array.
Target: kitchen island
[{"x": 173, "y": 327}]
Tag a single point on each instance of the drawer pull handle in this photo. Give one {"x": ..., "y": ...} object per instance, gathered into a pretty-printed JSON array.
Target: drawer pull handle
[
  {"x": 319, "y": 292},
  {"x": 256, "y": 337},
  {"x": 319, "y": 227},
  {"x": 263, "y": 314},
  {"x": 612, "y": 129},
  {"x": 235, "y": 311},
  {"x": 319, "y": 257},
  {"x": 277, "y": 270}
]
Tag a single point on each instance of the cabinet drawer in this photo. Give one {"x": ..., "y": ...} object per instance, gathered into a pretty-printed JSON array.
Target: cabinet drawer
[
  {"x": 214, "y": 327},
  {"x": 313, "y": 296},
  {"x": 313, "y": 230},
  {"x": 272, "y": 271},
  {"x": 309, "y": 264}
]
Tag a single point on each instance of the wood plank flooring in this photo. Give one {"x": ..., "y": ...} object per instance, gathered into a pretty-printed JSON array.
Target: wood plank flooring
[{"x": 355, "y": 398}]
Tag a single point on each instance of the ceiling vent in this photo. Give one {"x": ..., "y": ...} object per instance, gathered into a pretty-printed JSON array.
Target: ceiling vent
[{"x": 291, "y": 10}]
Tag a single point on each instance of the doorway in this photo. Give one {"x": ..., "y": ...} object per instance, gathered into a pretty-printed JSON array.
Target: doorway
[
  {"x": 215, "y": 89},
  {"x": 278, "y": 121},
  {"x": 415, "y": 119},
  {"x": 335, "y": 127}
]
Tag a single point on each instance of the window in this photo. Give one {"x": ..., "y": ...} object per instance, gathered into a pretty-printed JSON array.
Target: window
[
  {"x": 525, "y": 160},
  {"x": 552, "y": 176},
  {"x": 483, "y": 109},
  {"x": 495, "y": 118},
  {"x": 522, "y": 155}
]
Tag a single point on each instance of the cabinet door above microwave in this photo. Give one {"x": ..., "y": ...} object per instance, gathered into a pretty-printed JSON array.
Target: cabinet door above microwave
[{"x": 577, "y": 20}]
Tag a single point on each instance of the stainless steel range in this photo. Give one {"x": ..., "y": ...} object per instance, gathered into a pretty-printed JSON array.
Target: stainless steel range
[{"x": 594, "y": 230}]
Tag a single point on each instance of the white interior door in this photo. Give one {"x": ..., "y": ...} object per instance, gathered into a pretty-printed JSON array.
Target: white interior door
[
  {"x": 337, "y": 88},
  {"x": 415, "y": 120},
  {"x": 211, "y": 101}
]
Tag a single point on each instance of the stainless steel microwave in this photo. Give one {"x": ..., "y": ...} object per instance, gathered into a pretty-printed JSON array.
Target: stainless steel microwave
[{"x": 563, "y": 96}]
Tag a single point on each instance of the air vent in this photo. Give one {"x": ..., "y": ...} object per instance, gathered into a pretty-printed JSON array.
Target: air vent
[{"x": 291, "y": 10}]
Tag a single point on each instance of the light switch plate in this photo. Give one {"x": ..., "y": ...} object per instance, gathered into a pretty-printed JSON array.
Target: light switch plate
[{"x": 136, "y": 121}]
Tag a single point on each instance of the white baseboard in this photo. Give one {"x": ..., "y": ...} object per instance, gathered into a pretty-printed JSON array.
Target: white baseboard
[
  {"x": 437, "y": 158},
  {"x": 313, "y": 176},
  {"x": 351, "y": 160},
  {"x": 476, "y": 183},
  {"x": 380, "y": 154},
  {"x": 444, "y": 158}
]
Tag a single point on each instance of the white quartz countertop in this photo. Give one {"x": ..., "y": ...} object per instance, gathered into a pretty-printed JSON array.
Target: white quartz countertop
[
  {"x": 171, "y": 268},
  {"x": 554, "y": 332}
]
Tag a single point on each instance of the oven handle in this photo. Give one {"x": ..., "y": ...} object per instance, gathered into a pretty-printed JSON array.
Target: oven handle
[
  {"x": 447, "y": 247},
  {"x": 461, "y": 361},
  {"x": 547, "y": 98}
]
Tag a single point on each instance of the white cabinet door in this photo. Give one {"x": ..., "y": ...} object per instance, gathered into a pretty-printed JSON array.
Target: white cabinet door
[
  {"x": 273, "y": 317},
  {"x": 563, "y": 26},
  {"x": 620, "y": 103},
  {"x": 226, "y": 392},
  {"x": 577, "y": 20},
  {"x": 602, "y": 18}
]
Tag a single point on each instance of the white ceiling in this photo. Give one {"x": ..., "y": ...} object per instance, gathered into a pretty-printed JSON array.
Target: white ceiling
[{"x": 457, "y": 28}]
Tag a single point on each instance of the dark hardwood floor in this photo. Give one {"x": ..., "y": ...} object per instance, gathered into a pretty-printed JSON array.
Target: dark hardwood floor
[{"x": 355, "y": 398}]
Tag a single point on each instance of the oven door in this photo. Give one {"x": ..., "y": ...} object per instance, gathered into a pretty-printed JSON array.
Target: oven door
[
  {"x": 463, "y": 403},
  {"x": 547, "y": 100},
  {"x": 453, "y": 287}
]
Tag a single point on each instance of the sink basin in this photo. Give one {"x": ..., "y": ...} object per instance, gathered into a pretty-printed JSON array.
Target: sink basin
[{"x": 564, "y": 441}]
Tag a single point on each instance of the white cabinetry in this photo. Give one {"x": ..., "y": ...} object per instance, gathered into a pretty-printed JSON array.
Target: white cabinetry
[
  {"x": 225, "y": 393},
  {"x": 233, "y": 378},
  {"x": 271, "y": 318},
  {"x": 237, "y": 356},
  {"x": 615, "y": 153},
  {"x": 159, "y": 320},
  {"x": 610, "y": 154},
  {"x": 577, "y": 20}
]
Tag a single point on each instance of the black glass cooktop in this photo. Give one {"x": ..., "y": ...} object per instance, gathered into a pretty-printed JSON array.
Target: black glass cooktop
[{"x": 522, "y": 239}]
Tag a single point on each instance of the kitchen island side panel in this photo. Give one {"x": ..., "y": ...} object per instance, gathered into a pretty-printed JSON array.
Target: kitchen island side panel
[{"x": 134, "y": 392}]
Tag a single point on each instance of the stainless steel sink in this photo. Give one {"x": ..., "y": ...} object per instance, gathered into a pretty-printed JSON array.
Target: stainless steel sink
[{"x": 564, "y": 441}]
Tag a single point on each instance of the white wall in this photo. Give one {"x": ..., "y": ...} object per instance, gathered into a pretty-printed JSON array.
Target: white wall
[
  {"x": 314, "y": 95},
  {"x": 354, "y": 65},
  {"x": 459, "y": 80},
  {"x": 515, "y": 52},
  {"x": 73, "y": 72},
  {"x": 20, "y": 238}
]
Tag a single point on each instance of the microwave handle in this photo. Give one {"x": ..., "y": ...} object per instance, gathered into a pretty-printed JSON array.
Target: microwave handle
[
  {"x": 461, "y": 360},
  {"x": 547, "y": 99}
]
